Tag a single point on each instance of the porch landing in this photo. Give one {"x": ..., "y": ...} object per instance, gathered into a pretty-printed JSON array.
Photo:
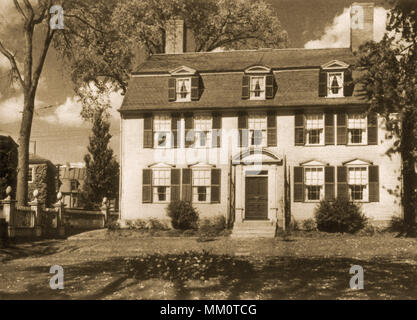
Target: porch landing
[{"x": 254, "y": 229}]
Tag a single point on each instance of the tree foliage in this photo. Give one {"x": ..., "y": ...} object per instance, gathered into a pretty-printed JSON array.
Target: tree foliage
[
  {"x": 389, "y": 82},
  {"x": 102, "y": 168}
]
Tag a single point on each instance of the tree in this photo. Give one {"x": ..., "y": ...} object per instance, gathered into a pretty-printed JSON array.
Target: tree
[
  {"x": 389, "y": 82},
  {"x": 102, "y": 168}
]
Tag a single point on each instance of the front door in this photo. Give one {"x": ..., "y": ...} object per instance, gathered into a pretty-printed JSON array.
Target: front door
[{"x": 256, "y": 200}]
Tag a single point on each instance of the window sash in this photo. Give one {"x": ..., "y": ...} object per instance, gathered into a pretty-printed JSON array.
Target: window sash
[
  {"x": 203, "y": 125},
  {"x": 30, "y": 174},
  {"x": 201, "y": 194},
  {"x": 331, "y": 88},
  {"x": 161, "y": 194},
  {"x": 183, "y": 89},
  {"x": 161, "y": 177},
  {"x": 358, "y": 183},
  {"x": 201, "y": 177},
  {"x": 257, "y": 87}
]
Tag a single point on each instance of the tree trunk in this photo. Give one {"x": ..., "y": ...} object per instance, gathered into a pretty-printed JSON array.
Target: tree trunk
[
  {"x": 409, "y": 176},
  {"x": 23, "y": 158}
]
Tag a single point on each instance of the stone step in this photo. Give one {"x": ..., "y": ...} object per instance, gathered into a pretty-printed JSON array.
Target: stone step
[{"x": 254, "y": 229}]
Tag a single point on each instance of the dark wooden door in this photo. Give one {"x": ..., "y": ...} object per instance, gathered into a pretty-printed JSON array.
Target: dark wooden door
[{"x": 256, "y": 198}]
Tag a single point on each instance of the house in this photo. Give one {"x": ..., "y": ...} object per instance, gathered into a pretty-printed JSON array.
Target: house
[
  {"x": 72, "y": 178},
  {"x": 259, "y": 136},
  {"x": 42, "y": 176},
  {"x": 8, "y": 164}
]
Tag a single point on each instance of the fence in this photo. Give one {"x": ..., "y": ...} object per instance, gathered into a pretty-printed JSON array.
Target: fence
[{"x": 36, "y": 221}]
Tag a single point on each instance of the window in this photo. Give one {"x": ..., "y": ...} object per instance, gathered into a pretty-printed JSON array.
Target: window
[
  {"x": 162, "y": 131},
  {"x": 257, "y": 125},
  {"x": 358, "y": 183},
  {"x": 314, "y": 180},
  {"x": 335, "y": 84},
  {"x": 203, "y": 126},
  {"x": 183, "y": 89},
  {"x": 257, "y": 88},
  {"x": 315, "y": 129},
  {"x": 31, "y": 174},
  {"x": 357, "y": 125},
  {"x": 161, "y": 183},
  {"x": 201, "y": 185},
  {"x": 74, "y": 185}
]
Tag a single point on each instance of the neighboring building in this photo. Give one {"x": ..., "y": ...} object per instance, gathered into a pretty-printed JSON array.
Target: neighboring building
[
  {"x": 8, "y": 164},
  {"x": 42, "y": 176},
  {"x": 72, "y": 177},
  {"x": 235, "y": 132}
]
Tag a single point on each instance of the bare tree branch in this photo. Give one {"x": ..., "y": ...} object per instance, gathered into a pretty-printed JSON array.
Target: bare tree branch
[
  {"x": 19, "y": 8},
  {"x": 13, "y": 63}
]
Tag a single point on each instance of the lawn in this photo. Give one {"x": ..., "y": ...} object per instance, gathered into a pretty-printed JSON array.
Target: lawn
[{"x": 303, "y": 266}]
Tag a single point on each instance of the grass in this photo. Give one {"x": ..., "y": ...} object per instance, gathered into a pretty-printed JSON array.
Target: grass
[{"x": 300, "y": 266}]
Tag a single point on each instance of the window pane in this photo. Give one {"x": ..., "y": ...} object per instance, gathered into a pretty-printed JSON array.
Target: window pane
[{"x": 161, "y": 177}]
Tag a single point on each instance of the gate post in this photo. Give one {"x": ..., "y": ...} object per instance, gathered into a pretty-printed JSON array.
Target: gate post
[
  {"x": 36, "y": 208},
  {"x": 60, "y": 207},
  {"x": 8, "y": 214},
  {"x": 105, "y": 210}
]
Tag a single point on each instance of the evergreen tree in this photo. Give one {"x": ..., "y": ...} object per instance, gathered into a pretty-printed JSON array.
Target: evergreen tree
[{"x": 102, "y": 168}]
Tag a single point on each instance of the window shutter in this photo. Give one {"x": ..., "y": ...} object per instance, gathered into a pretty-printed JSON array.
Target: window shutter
[
  {"x": 329, "y": 183},
  {"x": 172, "y": 90},
  {"x": 342, "y": 185},
  {"x": 245, "y": 87},
  {"x": 148, "y": 131},
  {"x": 298, "y": 184},
  {"x": 217, "y": 130},
  {"x": 272, "y": 129},
  {"x": 243, "y": 132},
  {"x": 372, "y": 129},
  {"x": 195, "y": 88},
  {"x": 215, "y": 185},
  {"x": 299, "y": 129},
  {"x": 373, "y": 183},
  {"x": 175, "y": 184},
  {"x": 269, "y": 86},
  {"x": 341, "y": 129},
  {"x": 322, "y": 83},
  {"x": 189, "y": 132},
  {"x": 175, "y": 118},
  {"x": 329, "y": 128},
  {"x": 348, "y": 83},
  {"x": 187, "y": 191},
  {"x": 147, "y": 185}
]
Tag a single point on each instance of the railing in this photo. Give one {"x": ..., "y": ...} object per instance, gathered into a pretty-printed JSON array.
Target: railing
[{"x": 36, "y": 220}]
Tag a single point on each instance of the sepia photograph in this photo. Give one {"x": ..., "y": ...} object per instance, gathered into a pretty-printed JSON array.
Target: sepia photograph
[{"x": 208, "y": 156}]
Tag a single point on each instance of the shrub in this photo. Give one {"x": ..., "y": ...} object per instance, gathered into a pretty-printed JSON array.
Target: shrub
[
  {"x": 309, "y": 224},
  {"x": 147, "y": 224},
  {"x": 114, "y": 225},
  {"x": 183, "y": 215},
  {"x": 339, "y": 216},
  {"x": 397, "y": 224}
]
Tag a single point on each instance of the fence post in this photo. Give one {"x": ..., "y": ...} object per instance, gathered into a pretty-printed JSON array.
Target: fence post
[
  {"x": 9, "y": 207},
  {"x": 60, "y": 206},
  {"x": 5, "y": 214},
  {"x": 105, "y": 210},
  {"x": 36, "y": 208}
]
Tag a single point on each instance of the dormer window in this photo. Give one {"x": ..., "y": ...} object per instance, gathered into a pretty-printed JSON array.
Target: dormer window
[
  {"x": 335, "y": 84},
  {"x": 335, "y": 80},
  {"x": 257, "y": 88},
  {"x": 183, "y": 89}
]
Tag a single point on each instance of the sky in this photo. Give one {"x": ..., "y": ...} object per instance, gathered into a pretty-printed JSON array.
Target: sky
[{"x": 60, "y": 134}]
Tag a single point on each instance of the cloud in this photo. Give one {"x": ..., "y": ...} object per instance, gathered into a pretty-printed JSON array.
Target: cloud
[
  {"x": 337, "y": 35},
  {"x": 67, "y": 114},
  {"x": 11, "y": 110},
  {"x": 4, "y": 63}
]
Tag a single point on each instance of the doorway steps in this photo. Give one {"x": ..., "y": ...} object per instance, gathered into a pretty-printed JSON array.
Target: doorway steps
[{"x": 254, "y": 229}]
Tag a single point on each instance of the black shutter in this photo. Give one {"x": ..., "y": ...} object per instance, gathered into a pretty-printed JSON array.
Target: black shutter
[
  {"x": 373, "y": 183},
  {"x": 298, "y": 184},
  {"x": 272, "y": 129},
  {"x": 148, "y": 131},
  {"x": 329, "y": 183},
  {"x": 175, "y": 184},
  {"x": 215, "y": 185},
  {"x": 172, "y": 90},
  {"x": 372, "y": 129},
  {"x": 187, "y": 191},
  {"x": 245, "y": 87},
  {"x": 195, "y": 88},
  {"x": 342, "y": 183},
  {"x": 217, "y": 130},
  {"x": 299, "y": 133},
  {"x": 175, "y": 118},
  {"x": 329, "y": 128},
  {"x": 147, "y": 185},
  {"x": 348, "y": 83},
  {"x": 189, "y": 130},
  {"x": 270, "y": 86},
  {"x": 322, "y": 83},
  {"x": 243, "y": 132},
  {"x": 341, "y": 129}
]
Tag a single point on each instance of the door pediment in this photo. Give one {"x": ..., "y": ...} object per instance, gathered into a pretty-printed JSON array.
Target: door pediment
[{"x": 256, "y": 155}]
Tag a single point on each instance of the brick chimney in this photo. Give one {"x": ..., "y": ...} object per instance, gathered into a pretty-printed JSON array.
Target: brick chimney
[
  {"x": 361, "y": 24},
  {"x": 174, "y": 36}
]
